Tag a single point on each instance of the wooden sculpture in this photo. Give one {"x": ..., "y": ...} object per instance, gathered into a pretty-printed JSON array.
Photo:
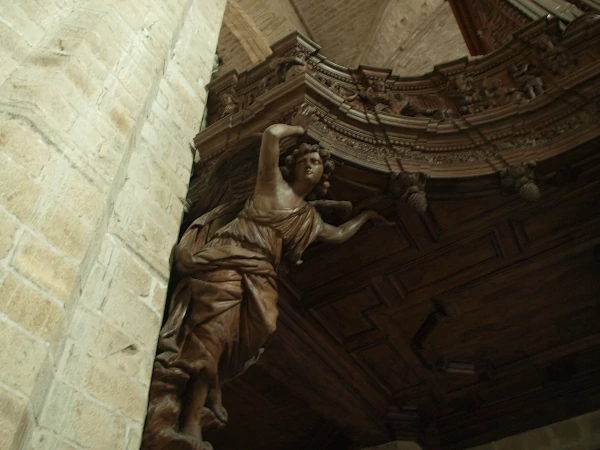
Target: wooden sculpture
[{"x": 225, "y": 308}]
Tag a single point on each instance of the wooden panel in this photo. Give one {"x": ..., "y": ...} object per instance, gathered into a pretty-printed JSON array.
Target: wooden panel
[
  {"x": 559, "y": 218},
  {"x": 345, "y": 318},
  {"x": 452, "y": 213},
  {"x": 449, "y": 261},
  {"x": 384, "y": 363},
  {"x": 521, "y": 316},
  {"x": 337, "y": 261}
]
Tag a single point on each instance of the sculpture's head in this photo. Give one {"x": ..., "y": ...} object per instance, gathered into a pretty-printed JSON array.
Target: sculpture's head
[{"x": 311, "y": 166}]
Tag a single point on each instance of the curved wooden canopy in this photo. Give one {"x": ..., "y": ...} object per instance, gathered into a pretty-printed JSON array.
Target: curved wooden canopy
[{"x": 467, "y": 323}]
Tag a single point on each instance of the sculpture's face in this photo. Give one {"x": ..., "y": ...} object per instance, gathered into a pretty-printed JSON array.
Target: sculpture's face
[{"x": 309, "y": 168}]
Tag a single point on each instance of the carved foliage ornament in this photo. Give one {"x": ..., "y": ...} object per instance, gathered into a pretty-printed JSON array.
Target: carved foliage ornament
[
  {"x": 520, "y": 179},
  {"x": 410, "y": 188}
]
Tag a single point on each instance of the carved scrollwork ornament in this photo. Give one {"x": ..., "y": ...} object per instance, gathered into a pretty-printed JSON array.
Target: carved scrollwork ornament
[
  {"x": 410, "y": 188},
  {"x": 520, "y": 179}
]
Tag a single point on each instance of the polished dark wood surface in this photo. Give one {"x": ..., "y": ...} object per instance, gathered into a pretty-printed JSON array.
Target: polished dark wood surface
[{"x": 473, "y": 322}]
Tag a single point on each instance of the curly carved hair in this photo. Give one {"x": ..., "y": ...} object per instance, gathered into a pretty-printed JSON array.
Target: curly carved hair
[{"x": 323, "y": 185}]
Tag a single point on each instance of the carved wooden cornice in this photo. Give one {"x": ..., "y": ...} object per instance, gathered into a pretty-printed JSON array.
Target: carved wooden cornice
[
  {"x": 536, "y": 98},
  {"x": 488, "y": 25}
]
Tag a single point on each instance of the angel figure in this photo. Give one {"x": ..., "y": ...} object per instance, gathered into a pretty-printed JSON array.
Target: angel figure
[{"x": 225, "y": 307}]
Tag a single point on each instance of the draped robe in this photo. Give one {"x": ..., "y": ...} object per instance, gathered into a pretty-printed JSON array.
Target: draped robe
[{"x": 225, "y": 308}]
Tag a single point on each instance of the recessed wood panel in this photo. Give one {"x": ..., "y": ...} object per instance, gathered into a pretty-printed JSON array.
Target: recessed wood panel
[
  {"x": 453, "y": 213},
  {"x": 384, "y": 363},
  {"x": 326, "y": 263},
  {"x": 346, "y": 318},
  {"x": 572, "y": 211},
  {"x": 448, "y": 262}
]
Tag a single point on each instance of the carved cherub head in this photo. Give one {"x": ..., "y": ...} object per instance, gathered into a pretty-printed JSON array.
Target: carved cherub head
[{"x": 309, "y": 164}]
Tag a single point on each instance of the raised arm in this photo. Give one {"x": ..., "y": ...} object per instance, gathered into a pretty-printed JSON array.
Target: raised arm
[
  {"x": 339, "y": 235},
  {"x": 268, "y": 161}
]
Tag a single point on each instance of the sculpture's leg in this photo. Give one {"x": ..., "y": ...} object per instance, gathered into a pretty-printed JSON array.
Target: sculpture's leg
[
  {"x": 207, "y": 344},
  {"x": 165, "y": 406},
  {"x": 215, "y": 403},
  {"x": 192, "y": 416}
]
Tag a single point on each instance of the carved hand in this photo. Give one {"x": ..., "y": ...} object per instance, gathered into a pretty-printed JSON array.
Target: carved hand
[
  {"x": 378, "y": 218},
  {"x": 302, "y": 117}
]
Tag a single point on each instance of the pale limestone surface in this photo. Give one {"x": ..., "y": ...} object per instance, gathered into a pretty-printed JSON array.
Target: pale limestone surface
[
  {"x": 99, "y": 101},
  {"x": 397, "y": 445},
  {"x": 577, "y": 433},
  {"x": 408, "y": 36}
]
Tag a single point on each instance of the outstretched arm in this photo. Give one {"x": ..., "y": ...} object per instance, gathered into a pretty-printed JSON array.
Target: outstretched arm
[{"x": 339, "y": 235}]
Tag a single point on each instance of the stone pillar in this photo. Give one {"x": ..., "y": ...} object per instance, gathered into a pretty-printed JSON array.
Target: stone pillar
[{"x": 99, "y": 101}]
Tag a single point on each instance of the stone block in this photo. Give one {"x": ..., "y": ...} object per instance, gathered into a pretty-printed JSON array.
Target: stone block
[
  {"x": 18, "y": 193},
  {"x": 81, "y": 40},
  {"x": 155, "y": 236},
  {"x": 29, "y": 307},
  {"x": 24, "y": 146},
  {"x": 136, "y": 79},
  {"x": 122, "y": 353},
  {"x": 93, "y": 426},
  {"x": 9, "y": 226},
  {"x": 537, "y": 439},
  {"x": 159, "y": 264},
  {"x": 107, "y": 249},
  {"x": 37, "y": 261},
  {"x": 132, "y": 13},
  {"x": 11, "y": 43},
  {"x": 63, "y": 228},
  {"x": 23, "y": 354},
  {"x": 511, "y": 443},
  {"x": 84, "y": 326},
  {"x": 8, "y": 65},
  {"x": 74, "y": 364},
  {"x": 159, "y": 297},
  {"x": 131, "y": 273},
  {"x": 84, "y": 195},
  {"x": 114, "y": 388},
  {"x": 566, "y": 432},
  {"x": 95, "y": 288},
  {"x": 134, "y": 437},
  {"x": 13, "y": 419},
  {"x": 176, "y": 209},
  {"x": 122, "y": 119},
  {"x": 19, "y": 21},
  {"x": 59, "y": 402},
  {"x": 132, "y": 315},
  {"x": 139, "y": 168},
  {"x": 491, "y": 446},
  {"x": 86, "y": 84},
  {"x": 146, "y": 60},
  {"x": 591, "y": 423},
  {"x": 55, "y": 108},
  {"x": 43, "y": 439},
  {"x": 87, "y": 138}
]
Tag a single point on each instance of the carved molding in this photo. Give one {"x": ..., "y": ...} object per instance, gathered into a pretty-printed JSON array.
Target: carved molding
[{"x": 538, "y": 94}]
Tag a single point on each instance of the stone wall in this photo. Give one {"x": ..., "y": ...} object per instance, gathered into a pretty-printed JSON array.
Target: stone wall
[
  {"x": 430, "y": 37},
  {"x": 98, "y": 103},
  {"x": 577, "y": 433}
]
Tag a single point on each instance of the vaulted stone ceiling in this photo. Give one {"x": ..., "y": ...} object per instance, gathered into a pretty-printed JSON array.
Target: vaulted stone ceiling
[{"x": 408, "y": 36}]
